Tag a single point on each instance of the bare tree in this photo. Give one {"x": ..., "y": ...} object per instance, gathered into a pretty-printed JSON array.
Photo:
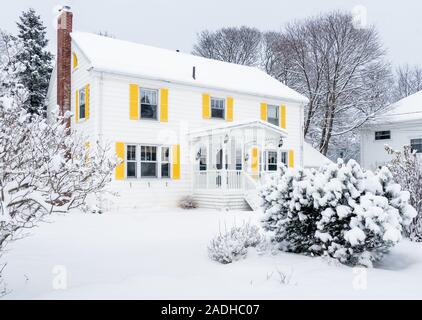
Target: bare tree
[
  {"x": 408, "y": 81},
  {"x": 341, "y": 69},
  {"x": 44, "y": 168},
  {"x": 237, "y": 45}
]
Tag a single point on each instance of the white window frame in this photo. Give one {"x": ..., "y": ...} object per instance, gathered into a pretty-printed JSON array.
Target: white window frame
[
  {"x": 137, "y": 154},
  {"x": 277, "y": 109},
  {"x": 267, "y": 159},
  {"x": 157, "y": 118},
  {"x": 224, "y": 107},
  {"x": 160, "y": 152},
  {"x": 284, "y": 155},
  {"x": 148, "y": 161},
  {"x": 158, "y": 161},
  {"x": 416, "y": 138},
  {"x": 379, "y": 131},
  {"x": 81, "y": 102}
]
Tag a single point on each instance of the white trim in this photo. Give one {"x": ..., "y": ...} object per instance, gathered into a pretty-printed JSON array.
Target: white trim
[
  {"x": 158, "y": 103},
  {"x": 237, "y": 125}
]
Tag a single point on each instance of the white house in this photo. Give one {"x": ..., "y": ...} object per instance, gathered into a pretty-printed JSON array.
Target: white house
[
  {"x": 400, "y": 125},
  {"x": 184, "y": 125}
]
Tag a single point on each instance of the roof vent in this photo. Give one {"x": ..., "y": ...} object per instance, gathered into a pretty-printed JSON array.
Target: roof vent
[{"x": 194, "y": 72}]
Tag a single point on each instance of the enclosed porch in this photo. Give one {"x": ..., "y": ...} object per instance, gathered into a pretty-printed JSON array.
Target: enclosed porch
[{"x": 232, "y": 159}]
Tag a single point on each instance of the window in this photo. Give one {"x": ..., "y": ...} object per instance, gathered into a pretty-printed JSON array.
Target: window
[
  {"x": 239, "y": 159},
  {"x": 217, "y": 108},
  {"x": 148, "y": 161},
  {"x": 203, "y": 160},
  {"x": 165, "y": 162},
  {"x": 149, "y": 102},
  {"x": 143, "y": 161},
  {"x": 82, "y": 103},
  {"x": 272, "y": 160},
  {"x": 382, "y": 135},
  {"x": 284, "y": 157},
  {"x": 416, "y": 144},
  {"x": 273, "y": 115},
  {"x": 131, "y": 161}
]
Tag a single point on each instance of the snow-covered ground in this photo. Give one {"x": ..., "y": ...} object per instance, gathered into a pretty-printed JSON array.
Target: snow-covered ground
[{"x": 161, "y": 254}]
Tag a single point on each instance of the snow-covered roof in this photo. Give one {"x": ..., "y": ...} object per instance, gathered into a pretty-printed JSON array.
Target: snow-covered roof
[
  {"x": 133, "y": 59},
  {"x": 248, "y": 124},
  {"x": 312, "y": 158},
  {"x": 407, "y": 109}
]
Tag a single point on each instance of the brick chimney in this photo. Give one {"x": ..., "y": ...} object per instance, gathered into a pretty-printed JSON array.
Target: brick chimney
[{"x": 64, "y": 58}]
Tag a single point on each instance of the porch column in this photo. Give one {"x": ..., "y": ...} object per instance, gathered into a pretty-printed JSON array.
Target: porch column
[
  {"x": 208, "y": 161},
  {"x": 223, "y": 164}
]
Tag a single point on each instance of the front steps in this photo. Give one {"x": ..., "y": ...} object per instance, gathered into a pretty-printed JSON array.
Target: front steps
[{"x": 219, "y": 200}]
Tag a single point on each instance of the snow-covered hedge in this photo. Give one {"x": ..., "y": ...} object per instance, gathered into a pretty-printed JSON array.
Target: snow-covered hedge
[
  {"x": 339, "y": 210},
  {"x": 233, "y": 244}
]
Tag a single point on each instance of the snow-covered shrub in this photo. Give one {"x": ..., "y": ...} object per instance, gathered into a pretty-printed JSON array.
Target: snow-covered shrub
[
  {"x": 339, "y": 211},
  {"x": 233, "y": 244},
  {"x": 406, "y": 168},
  {"x": 188, "y": 202}
]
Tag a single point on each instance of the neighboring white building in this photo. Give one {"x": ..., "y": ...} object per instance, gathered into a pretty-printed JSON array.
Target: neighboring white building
[
  {"x": 184, "y": 125},
  {"x": 400, "y": 125}
]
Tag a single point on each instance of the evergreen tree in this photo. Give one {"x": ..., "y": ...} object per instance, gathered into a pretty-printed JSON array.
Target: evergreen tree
[{"x": 35, "y": 61}]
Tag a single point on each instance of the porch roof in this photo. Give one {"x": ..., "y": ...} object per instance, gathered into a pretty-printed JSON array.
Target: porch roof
[{"x": 243, "y": 124}]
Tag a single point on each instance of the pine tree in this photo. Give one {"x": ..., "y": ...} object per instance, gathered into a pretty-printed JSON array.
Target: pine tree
[{"x": 35, "y": 60}]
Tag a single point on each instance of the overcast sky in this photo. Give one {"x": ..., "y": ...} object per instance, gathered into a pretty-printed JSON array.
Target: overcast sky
[{"x": 173, "y": 24}]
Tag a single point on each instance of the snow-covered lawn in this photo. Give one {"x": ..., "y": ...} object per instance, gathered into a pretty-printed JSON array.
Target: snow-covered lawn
[{"x": 161, "y": 254}]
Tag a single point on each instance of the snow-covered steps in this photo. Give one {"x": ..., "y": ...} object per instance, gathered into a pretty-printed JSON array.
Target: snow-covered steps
[
  {"x": 231, "y": 201},
  {"x": 252, "y": 199}
]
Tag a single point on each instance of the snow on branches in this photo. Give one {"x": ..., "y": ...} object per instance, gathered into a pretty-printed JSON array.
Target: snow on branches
[
  {"x": 44, "y": 168},
  {"x": 340, "y": 211},
  {"x": 406, "y": 168}
]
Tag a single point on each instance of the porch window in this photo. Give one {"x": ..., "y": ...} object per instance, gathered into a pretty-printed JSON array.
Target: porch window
[
  {"x": 218, "y": 108},
  {"x": 165, "y": 162},
  {"x": 416, "y": 144},
  {"x": 272, "y": 161},
  {"x": 382, "y": 135},
  {"x": 149, "y": 104},
  {"x": 273, "y": 115},
  {"x": 82, "y": 105},
  {"x": 284, "y": 158},
  {"x": 203, "y": 160},
  {"x": 239, "y": 159},
  {"x": 131, "y": 161},
  {"x": 148, "y": 161}
]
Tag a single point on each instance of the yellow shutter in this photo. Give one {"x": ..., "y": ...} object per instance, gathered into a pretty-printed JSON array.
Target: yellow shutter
[
  {"x": 263, "y": 111},
  {"x": 164, "y": 96},
  {"x": 76, "y": 106},
  {"x": 134, "y": 102},
  {"x": 87, "y": 101},
  {"x": 291, "y": 158},
  {"x": 254, "y": 163},
  {"x": 206, "y": 106},
  {"x": 75, "y": 60},
  {"x": 176, "y": 161},
  {"x": 120, "y": 153},
  {"x": 283, "y": 120},
  {"x": 229, "y": 109}
]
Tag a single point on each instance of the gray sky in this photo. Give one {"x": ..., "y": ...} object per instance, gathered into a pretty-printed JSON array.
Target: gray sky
[{"x": 173, "y": 24}]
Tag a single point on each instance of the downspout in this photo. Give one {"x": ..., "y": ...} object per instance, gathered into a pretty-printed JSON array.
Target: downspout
[{"x": 302, "y": 136}]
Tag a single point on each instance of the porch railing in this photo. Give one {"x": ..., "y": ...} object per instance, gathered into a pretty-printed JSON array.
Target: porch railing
[{"x": 219, "y": 179}]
